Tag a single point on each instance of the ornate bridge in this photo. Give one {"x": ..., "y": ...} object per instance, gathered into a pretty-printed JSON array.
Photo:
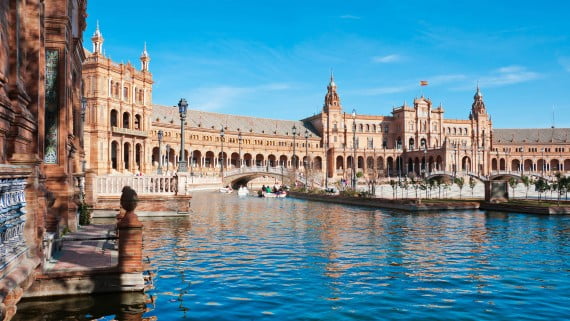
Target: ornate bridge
[
  {"x": 495, "y": 175},
  {"x": 246, "y": 174}
]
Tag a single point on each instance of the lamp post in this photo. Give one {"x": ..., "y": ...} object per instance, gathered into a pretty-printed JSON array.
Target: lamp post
[
  {"x": 182, "y": 108},
  {"x": 326, "y": 169},
  {"x": 425, "y": 164},
  {"x": 222, "y": 134},
  {"x": 354, "y": 149},
  {"x": 160, "y": 135},
  {"x": 167, "y": 157},
  {"x": 306, "y": 163},
  {"x": 240, "y": 138},
  {"x": 294, "y": 129},
  {"x": 543, "y": 162}
]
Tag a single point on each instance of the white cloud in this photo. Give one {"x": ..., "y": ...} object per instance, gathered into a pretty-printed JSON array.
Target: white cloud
[
  {"x": 509, "y": 75},
  {"x": 216, "y": 98},
  {"x": 349, "y": 16},
  {"x": 387, "y": 59}
]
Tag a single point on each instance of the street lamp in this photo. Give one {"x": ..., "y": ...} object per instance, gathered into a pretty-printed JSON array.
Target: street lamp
[
  {"x": 167, "y": 157},
  {"x": 354, "y": 149},
  {"x": 182, "y": 108},
  {"x": 160, "y": 135},
  {"x": 240, "y": 138},
  {"x": 294, "y": 157},
  {"x": 543, "y": 162},
  {"x": 222, "y": 134},
  {"x": 425, "y": 164},
  {"x": 306, "y": 163}
]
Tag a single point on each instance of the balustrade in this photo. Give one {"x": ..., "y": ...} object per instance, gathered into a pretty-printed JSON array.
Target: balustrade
[
  {"x": 150, "y": 184},
  {"x": 12, "y": 218}
]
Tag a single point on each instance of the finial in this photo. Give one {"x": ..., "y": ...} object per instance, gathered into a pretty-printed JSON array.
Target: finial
[
  {"x": 332, "y": 83},
  {"x": 97, "y": 32}
]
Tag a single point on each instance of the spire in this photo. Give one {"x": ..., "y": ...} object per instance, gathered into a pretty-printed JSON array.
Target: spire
[
  {"x": 332, "y": 83},
  {"x": 97, "y": 40},
  {"x": 478, "y": 106},
  {"x": 145, "y": 59},
  {"x": 332, "y": 100},
  {"x": 478, "y": 92}
]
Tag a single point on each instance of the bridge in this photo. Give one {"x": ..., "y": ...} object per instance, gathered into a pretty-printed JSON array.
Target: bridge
[
  {"x": 245, "y": 174},
  {"x": 493, "y": 176}
]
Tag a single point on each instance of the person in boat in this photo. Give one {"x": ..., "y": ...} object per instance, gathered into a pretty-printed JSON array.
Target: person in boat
[
  {"x": 268, "y": 189},
  {"x": 274, "y": 190}
]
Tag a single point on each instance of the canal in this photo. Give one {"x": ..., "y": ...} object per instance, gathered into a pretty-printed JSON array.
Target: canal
[{"x": 286, "y": 259}]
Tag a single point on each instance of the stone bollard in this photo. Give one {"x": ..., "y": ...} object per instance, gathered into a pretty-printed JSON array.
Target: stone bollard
[{"x": 130, "y": 234}]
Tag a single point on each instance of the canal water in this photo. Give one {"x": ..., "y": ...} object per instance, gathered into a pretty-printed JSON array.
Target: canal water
[{"x": 286, "y": 259}]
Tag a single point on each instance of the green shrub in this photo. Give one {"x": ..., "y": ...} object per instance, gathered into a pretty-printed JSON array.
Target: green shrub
[{"x": 84, "y": 214}]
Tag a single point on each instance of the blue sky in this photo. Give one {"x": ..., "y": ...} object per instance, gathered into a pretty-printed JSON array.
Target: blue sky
[{"x": 273, "y": 58}]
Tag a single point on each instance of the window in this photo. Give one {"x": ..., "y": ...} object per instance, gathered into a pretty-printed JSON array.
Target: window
[{"x": 125, "y": 93}]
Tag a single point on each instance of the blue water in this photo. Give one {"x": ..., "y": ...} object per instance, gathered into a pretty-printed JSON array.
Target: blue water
[{"x": 287, "y": 259}]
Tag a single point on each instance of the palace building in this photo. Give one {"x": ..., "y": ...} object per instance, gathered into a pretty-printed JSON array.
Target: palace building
[{"x": 123, "y": 129}]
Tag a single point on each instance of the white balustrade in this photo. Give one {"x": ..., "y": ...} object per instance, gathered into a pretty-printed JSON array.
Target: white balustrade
[{"x": 143, "y": 185}]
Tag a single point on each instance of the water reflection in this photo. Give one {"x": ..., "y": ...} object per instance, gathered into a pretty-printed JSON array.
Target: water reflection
[
  {"x": 121, "y": 307},
  {"x": 287, "y": 259}
]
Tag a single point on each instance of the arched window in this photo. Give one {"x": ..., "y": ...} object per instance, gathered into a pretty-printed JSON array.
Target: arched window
[
  {"x": 138, "y": 122},
  {"x": 126, "y": 120},
  {"x": 114, "y": 118},
  {"x": 125, "y": 93}
]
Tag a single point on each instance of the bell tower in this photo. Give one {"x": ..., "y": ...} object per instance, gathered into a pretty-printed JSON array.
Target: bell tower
[
  {"x": 97, "y": 40},
  {"x": 145, "y": 59},
  {"x": 478, "y": 108},
  {"x": 332, "y": 100}
]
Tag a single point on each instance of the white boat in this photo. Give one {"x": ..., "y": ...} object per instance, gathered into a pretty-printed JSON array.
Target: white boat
[
  {"x": 243, "y": 191},
  {"x": 278, "y": 194},
  {"x": 226, "y": 190}
]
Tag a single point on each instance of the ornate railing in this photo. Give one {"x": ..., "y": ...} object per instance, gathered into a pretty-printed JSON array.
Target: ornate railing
[
  {"x": 147, "y": 184},
  {"x": 12, "y": 218},
  {"x": 259, "y": 169},
  {"x": 128, "y": 131}
]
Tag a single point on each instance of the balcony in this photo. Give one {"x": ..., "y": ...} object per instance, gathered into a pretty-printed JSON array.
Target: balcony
[{"x": 128, "y": 131}]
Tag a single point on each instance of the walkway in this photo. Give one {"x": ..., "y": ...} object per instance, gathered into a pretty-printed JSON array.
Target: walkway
[{"x": 91, "y": 247}]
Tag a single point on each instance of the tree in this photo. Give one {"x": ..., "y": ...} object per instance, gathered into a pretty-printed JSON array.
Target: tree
[
  {"x": 472, "y": 184},
  {"x": 540, "y": 186},
  {"x": 460, "y": 181},
  {"x": 394, "y": 186},
  {"x": 513, "y": 182},
  {"x": 526, "y": 182}
]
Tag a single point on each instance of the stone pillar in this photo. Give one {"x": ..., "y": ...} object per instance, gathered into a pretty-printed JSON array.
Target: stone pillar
[{"x": 130, "y": 234}]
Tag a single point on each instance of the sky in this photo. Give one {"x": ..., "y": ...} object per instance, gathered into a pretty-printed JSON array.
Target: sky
[{"x": 273, "y": 59}]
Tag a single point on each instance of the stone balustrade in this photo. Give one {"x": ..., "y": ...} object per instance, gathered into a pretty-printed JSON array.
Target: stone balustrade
[
  {"x": 12, "y": 219},
  {"x": 143, "y": 185}
]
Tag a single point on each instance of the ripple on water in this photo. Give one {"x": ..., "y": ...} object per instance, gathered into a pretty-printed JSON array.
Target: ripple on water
[{"x": 288, "y": 259}]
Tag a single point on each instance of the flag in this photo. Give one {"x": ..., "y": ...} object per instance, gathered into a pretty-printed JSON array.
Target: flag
[{"x": 423, "y": 83}]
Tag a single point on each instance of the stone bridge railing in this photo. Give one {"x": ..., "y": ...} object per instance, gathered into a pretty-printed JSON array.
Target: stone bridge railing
[{"x": 276, "y": 170}]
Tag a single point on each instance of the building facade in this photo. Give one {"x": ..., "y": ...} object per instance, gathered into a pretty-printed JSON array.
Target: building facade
[
  {"x": 335, "y": 144},
  {"x": 41, "y": 56}
]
